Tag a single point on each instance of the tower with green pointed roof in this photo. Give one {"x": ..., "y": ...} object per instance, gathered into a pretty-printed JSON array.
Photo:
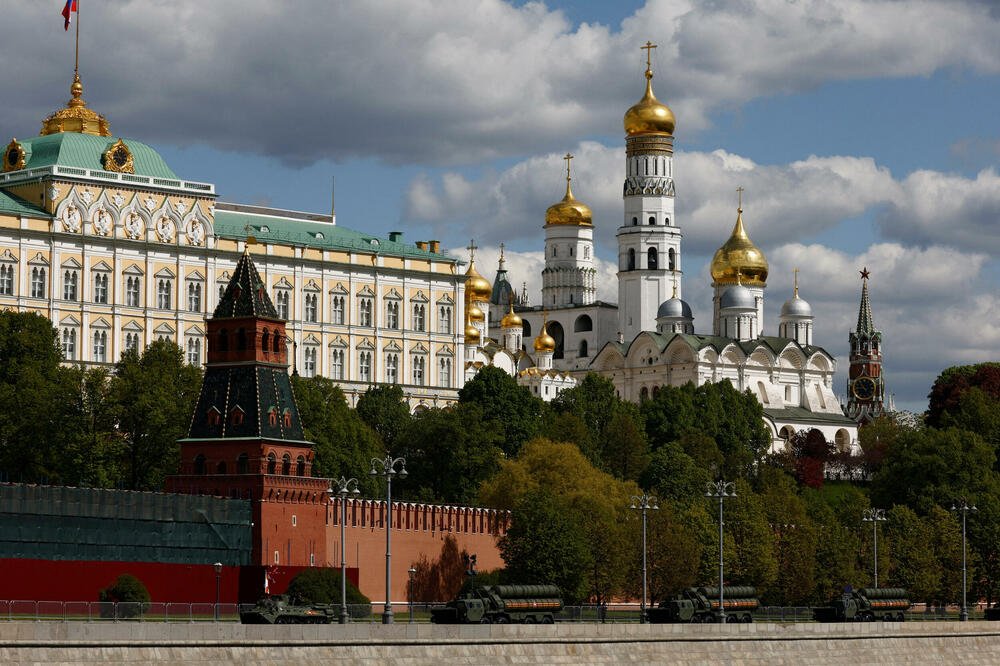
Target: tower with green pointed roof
[{"x": 865, "y": 383}]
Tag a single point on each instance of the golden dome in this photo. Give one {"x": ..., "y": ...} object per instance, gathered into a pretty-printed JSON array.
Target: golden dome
[
  {"x": 545, "y": 342},
  {"x": 76, "y": 117},
  {"x": 739, "y": 260},
  {"x": 471, "y": 332},
  {"x": 475, "y": 314},
  {"x": 569, "y": 211},
  {"x": 649, "y": 116},
  {"x": 477, "y": 288},
  {"x": 511, "y": 319}
]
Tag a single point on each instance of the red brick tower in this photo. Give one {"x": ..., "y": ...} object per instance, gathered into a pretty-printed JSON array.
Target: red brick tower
[
  {"x": 245, "y": 438},
  {"x": 865, "y": 383}
]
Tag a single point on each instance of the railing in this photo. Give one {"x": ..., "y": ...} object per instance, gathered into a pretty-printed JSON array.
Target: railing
[
  {"x": 100, "y": 611},
  {"x": 56, "y": 170}
]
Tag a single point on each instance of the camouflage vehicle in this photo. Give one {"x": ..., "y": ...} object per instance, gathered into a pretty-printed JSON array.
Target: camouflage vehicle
[
  {"x": 701, "y": 604},
  {"x": 502, "y": 604},
  {"x": 993, "y": 612},
  {"x": 283, "y": 609},
  {"x": 866, "y": 605}
]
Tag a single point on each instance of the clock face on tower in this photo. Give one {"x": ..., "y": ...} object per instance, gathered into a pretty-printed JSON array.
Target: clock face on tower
[{"x": 864, "y": 388}]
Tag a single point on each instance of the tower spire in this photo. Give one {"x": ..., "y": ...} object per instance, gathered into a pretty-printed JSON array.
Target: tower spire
[{"x": 865, "y": 324}]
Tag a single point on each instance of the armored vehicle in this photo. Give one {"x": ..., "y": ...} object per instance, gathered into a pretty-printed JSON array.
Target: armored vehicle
[
  {"x": 283, "y": 609},
  {"x": 701, "y": 604},
  {"x": 501, "y": 604},
  {"x": 866, "y": 605},
  {"x": 993, "y": 612}
]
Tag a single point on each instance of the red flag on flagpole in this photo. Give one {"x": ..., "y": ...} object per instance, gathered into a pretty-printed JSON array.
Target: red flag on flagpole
[{"x": 71, "y": 6}]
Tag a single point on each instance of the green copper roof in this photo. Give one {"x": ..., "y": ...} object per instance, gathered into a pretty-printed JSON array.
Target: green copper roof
[
  {"x": 718, "y": 342},
  {"x": 803, "y": 415},
  {"x": 325, "y": 235},
  {"x": 86, "y": 151},
  {"x": 14, "y": 205}
]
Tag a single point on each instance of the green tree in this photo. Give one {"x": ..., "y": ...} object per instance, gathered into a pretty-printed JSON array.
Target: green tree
[
  {"x": 91, "y": 449},
  {"x": 593, "y": 400},
  {"x": 383, "y": 408},
  {"x": 342, "y": 443},
  {"x": 154, "y": 395},
  {"x": 623, "y": 446},
  {"x": 129, "y": 593},
  {"x": 546, "y": 545},
  {"x": 675, "y": 476},
  {"x": 673, "y": 554},
  {"x": 837, "y": 548},
  {"x": 503, "y": 401},
  {"x": 449, "y": 453},
  {"x": 795, "y": 539},
  {"x": 321, "y": 585},
  {"x": 568, "y": 427},
  {"x": 914, "y": 563}
]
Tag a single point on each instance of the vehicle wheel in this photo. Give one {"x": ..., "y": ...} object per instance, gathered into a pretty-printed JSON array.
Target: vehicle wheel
[
  {"x": 502, "y": 619},
  {"x": 900, "y": 617},
  {"x": 732, "y": 619},
  {"x": 530, "y": 619},
  {"x": 747, "y": 618},
  {"x": 548, "y": 620},
  {"x": 485, "y": 620},
  {"x": 869, "y": 617}
]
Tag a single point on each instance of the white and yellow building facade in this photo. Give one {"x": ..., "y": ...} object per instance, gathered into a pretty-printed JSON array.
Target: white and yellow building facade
[{"x": 99, "y": 235}]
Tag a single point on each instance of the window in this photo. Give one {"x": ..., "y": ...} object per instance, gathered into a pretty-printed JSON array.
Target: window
[
  {"x": 392, "y": 368},
  {"x": 309, "y": 362},
  {"x": 651, "y": 259},
  {"x": 100, "y": 287},
  {"x": 243, "y": 464},
  {"x": 365, "y": 366},
  {"x": 392, "y": 314},
  {"x": 38, "y": 282},
  {"x": 221, "y": 467},
  {"x": 419, "y": 316},
  {"x": 235, "y": 416},
  {"x": 555, "y": 251},
  {"x": 241, "y": 338},
  {"x": 281, "y": 303},
  {"x": 583, "y": 348},
  {"x": 272, "y": 467},
  {"x": 444, "y": 319},
  {"x": 194, "y": 297},
  {"x": 652, "y": 220},
  {"x": 586, "y": 252},
  {"x": 337, "y": 308},
  {"x": 131, "y": 341},
  {"x": 583, "y": 323},
  {"x": 265, "y": 340},
  {"x": 364, "y": 312},
  {"x": 671, "y": 259},
  {"x": 100, "y": 347},
  {"x": 70, "y": 279},
  {"x": 69, "y": 343},
  {"x": 133, "y": 286},
  {"x": 223, "y": 340},
  {"x": 6, "y": 280},
  {"x": 337, "y": 364},
  {"x": 631, "y": 260},
  {"x": 635, "y": 221},
  {"x": 311, "y": 307},
  {"x": 444, "y": 373},
  {"x": 419, "y": 366},
  {"x": 194, "y": 351},
  {"x": 300, "y": 466},
  {"x": 286, "y": 464},
  {"x": 199, "y": 464},
  {"x": 222, "y": 291},
  {"x": 163, "y": 289},
  {"x": 276, "y": 345}
]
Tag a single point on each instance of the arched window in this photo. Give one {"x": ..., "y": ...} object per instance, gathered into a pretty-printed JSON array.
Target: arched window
[
  {"x": 286, "y": 464},
  {"x": 651, "y": 259},
  {"x": 277, "y": 342},
  {"x": 635, "y": 221},
  {"x": 265, "y": 339},
  {"x": 221, "y": 467},
  {"x": 243, "y": 464},
  {"x": 241, "y": 339},
  {"x": 199, "y": 464},
  {"x": 583, "y": 348},
  {"x": 631, "y": 259},
  {"x": 652, "y": 219},
  {"x": 643, "y": 393},
  {"x": 671, "y": 259},
  {"x": 300, "y": 466},
  {"x": 555, "y": 329},
  {"x": 223, "y": 340},
  {"x": 583, "y": 323},
  {"x": 272, "y": 464}
]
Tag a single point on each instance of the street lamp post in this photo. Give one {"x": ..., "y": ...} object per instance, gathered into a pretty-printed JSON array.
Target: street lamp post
[
  {"x": 874, "y": 516},
  {"x": 218, "y": 586},
  {"x": 962, "y": 505},
  {"x": 643, "y": 504},
  {"x": 386, "y": 467},
  {"x": 413, "y": 574},
  {"x": 345, "y": 487},
  {"x": 721, "y": 490}
]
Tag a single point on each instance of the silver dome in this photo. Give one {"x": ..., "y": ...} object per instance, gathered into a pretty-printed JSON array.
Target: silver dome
[
  {"x": 796, "y": 307},
  {"x": 737, "y": 296},
  {"x": 674, "y": 308}
]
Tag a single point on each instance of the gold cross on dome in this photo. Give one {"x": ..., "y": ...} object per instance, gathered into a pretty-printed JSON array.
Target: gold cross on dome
[
  {"x": 472, "y": 247},
  {"x": 739, "y": 193},
  {"x": 796, "y": 272},
  {"x": 649, "y": 50},
  {"x": 501, "y": 251},
  {"x": 568, "y": 158}
]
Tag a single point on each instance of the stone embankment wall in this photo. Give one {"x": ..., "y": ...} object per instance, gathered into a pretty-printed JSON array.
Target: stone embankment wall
[{"x": 970, "y": 644}]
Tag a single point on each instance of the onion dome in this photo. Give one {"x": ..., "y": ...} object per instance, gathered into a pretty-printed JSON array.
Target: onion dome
[
  {"x": 674, "y": 307},
  {"x": 649, "y": 115},
  {"x": 739, "y": 259},
  {"x": 569, "y": 210},
  {"x": 739, "y": 297},
  {"x": 471, "y": 332},
  {"x": 76, "y": 117},
  {"x": 545, "y": 342},
  {"x": 511, "y": 319},
  {"x": 796, "y": 307},
  {"x": 475, "y": 314},
  {"x": 477, "y": 288}
]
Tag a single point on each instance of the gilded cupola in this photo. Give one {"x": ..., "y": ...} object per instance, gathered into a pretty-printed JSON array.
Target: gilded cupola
[
  {"x": 471, "y": 332},
  {"x": 649, "y": 115},
  {"x": 511, "y": 319},
  {"x": 545, "y": 342},
  {"x": 477, "y": 288},
  {"x": 739, "y": 260},
  {"x": 569, "y": 210},
  {"x": 76, "y": 117}
]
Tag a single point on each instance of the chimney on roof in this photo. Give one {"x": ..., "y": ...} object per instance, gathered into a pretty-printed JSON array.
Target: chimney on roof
[
  {"x": 422, "y": 245},
  {"x": 436, "y": 247},
  {"x": 396, "y": 236}
]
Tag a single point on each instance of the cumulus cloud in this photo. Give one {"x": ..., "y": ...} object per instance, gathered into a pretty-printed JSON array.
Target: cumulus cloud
[{"x": 455, "y": 81}]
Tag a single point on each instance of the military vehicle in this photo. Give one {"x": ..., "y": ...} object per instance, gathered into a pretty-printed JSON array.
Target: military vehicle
[
  {"x": 701, "y": 604},
  {"x": 502, "y": 604},
  {"x": 993, "y": 612},
  {"x": 865, "y": 605},
  {"x": 284, "y": 609}
]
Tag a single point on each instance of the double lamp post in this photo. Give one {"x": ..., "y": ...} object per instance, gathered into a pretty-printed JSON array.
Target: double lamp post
[{"x": 386, "y": 468}]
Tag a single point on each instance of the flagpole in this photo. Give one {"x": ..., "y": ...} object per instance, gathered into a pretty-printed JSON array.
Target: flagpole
[{"x": 76, "y": 64}]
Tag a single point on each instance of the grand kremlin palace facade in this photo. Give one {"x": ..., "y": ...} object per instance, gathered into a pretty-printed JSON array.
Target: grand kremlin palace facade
[{"x": 102, "y": 237}]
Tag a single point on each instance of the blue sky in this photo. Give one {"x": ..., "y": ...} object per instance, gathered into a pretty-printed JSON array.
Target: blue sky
[{"x": 863, "y": 130}]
